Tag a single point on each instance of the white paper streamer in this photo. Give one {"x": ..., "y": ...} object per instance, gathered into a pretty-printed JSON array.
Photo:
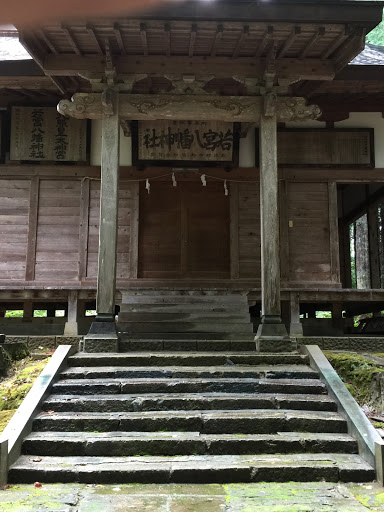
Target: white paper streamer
[
  {"x": 174, "y": 182},
  {"x": 203, "y": 180},
  {"x": 147, "y": 186},
  {"x": 225, "y": 188}
]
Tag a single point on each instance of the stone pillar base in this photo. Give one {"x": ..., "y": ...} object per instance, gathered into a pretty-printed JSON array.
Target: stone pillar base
[
  {"x": 102, "y": 335},
  {"x": 70, "y": 329},
  {"x": 272, "y": 336},
  {"x": 296, "y": 329}
]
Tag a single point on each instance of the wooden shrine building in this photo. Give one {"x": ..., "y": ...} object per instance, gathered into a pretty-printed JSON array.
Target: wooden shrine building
[{"x": 216, "y": 148}]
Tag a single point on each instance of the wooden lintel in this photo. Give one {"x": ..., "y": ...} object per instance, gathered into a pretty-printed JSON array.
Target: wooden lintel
[
  {"x": 221, "y": 67},
  {"x": 188, "y": 107}
]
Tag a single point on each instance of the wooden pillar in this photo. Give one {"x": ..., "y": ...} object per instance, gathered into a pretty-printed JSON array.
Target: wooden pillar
[
  {"x": 27, "y": 311},
  {"x": 71, "y": 327},
  {"x": 373, "y": 238},
  {"x": 296, "y": 327},
  {"x": 272, "y": 333},
  {"x": 337, "y": 318},
  {"x": 102, "y": 335}
]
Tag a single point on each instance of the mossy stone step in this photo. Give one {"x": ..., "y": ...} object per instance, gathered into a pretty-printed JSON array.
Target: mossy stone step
[
  {"x": 193, "y": 469},
  {"x": 202, "y": 401}
]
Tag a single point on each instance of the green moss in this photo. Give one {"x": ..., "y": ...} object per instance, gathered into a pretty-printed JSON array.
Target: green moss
[
  {"x": 5, "y": 416},
  {"x": 356, "y": 371},
  {"x": 14, "y": 390}
]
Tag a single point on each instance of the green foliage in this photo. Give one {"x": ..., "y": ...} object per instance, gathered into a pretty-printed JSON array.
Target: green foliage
[
  {"x": 16, "y": 313},
  {"x": 356, "y": 371}
]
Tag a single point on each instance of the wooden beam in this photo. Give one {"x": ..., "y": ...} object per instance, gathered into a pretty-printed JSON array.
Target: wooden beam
[
  {"x": 32, "y": 229},
  {"x": 192, "y": 40},
  {"x": 243, "y": 36},
  {"x": 119, "y": 38},
  {"x": 189, "y": 108},
  {"x": 349, "y": 50},
  {"x": 318, "y": 35},
  {"x": 71, "y": 41},
  {"x": 265, "y": 41},
  {"x": 91, "y": 32},
  {"x": 221, "y": 67},
  {"x": 143, "y": 35},
  {"x": 289, "y": 42},
  {"x": 216, "y": 41}
]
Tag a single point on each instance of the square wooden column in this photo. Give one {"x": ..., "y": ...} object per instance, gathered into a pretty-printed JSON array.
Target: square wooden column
[
  {"x": 272, "y": 334},
  {"x": 102, "y": 336}
]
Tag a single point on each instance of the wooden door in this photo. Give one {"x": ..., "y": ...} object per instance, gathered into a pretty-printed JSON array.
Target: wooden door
[{"x": 184, "y": 231}]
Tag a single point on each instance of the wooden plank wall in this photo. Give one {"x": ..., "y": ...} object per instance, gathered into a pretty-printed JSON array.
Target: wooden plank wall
[
  {"x": 14, "y": 215},
  {"x": 49, "y": 231}
]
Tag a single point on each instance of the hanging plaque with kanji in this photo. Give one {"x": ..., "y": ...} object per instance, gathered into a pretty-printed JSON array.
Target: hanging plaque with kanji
[
  {"x": 41, "y": 133},
  {"x": 185, "y": 143}
]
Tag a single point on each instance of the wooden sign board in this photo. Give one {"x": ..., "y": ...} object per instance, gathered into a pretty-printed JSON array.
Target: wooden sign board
[
  {"x": 185, "y": 143},
  {"x": 41, "y": 133},
  {"x": 321, "y": 147}
]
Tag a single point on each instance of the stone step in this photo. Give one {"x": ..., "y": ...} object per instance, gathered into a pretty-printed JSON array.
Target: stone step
[
  {"x": 184, "y": 327},
  {"x": 261, "y": 421},
  {"x": 184, "y": 359},
  {"x": 128, "y": 386},
  {"x": 204, "y": 316},
  {"x": 128, "y": 343},
  {"x": 192, "y": 469},
  {"x": 186, "y": 402},
  {"x": 193, "y": 337},
  {"x": 190, "y": 372},
  {"x": 183, "y": 443}
]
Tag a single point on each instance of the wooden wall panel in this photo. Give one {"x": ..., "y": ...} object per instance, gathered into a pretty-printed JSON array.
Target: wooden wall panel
[
  {"x": 126, "y": 204},
  {"x": 249, "y": 230},
  {"x": 308, "y": 234},
  {"x": 14, "y": 214},
  {"x": 57, "y": 241}
]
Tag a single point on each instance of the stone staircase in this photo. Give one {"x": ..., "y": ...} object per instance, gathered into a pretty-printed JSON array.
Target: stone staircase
[
  {"x": 195, "y": 314},
  {"x": 189, "y": 416}
]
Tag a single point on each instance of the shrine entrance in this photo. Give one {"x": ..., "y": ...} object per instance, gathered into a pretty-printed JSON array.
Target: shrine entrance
[{"x": 184, "y": 231}]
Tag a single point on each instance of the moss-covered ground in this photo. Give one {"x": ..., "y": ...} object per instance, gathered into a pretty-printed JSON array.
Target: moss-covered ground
[
  {"x": 14, "y": 387},
  {"x": 356, "y": 371}
]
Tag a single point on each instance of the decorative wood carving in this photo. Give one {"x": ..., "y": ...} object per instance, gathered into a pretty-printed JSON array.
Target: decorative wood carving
[{"x": 189, "y": 107}]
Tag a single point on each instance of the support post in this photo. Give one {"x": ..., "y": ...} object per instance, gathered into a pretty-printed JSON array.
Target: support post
[
  {"x": 102, "y": 336},
  {"x": 296, "y": 327},
  {"x": 272, "y": 334},
  {"x": 27, "y": 311},
  {"x": 71, "y": 326},
  {"x": 337, "y": 318}
]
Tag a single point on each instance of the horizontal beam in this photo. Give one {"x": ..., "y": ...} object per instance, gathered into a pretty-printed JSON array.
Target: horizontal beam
[
  {"x": 189, "y": 107},
  {"x": 221, "y": 67}
]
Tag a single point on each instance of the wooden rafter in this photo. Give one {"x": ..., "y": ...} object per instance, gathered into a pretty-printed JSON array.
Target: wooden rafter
[
  {"x": 289, "y": 42},
  {"x": 68, "y": 33},
  {"x": 119, "y": 38},
  {"x": 335, "y": 45},
  {"x": 143, "y": 35},
  {"x": 192, "y": 40},
  {"x": 243, "y": 36},
  {"x": 167, "y": 37},
  {"x": 91, "y": 32},
  {"x": 315, "y": 38},
  {"x": 47, "y": 41},
  {"x": 267, "y": 37},
  {"x": 216, "y": 42}
]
